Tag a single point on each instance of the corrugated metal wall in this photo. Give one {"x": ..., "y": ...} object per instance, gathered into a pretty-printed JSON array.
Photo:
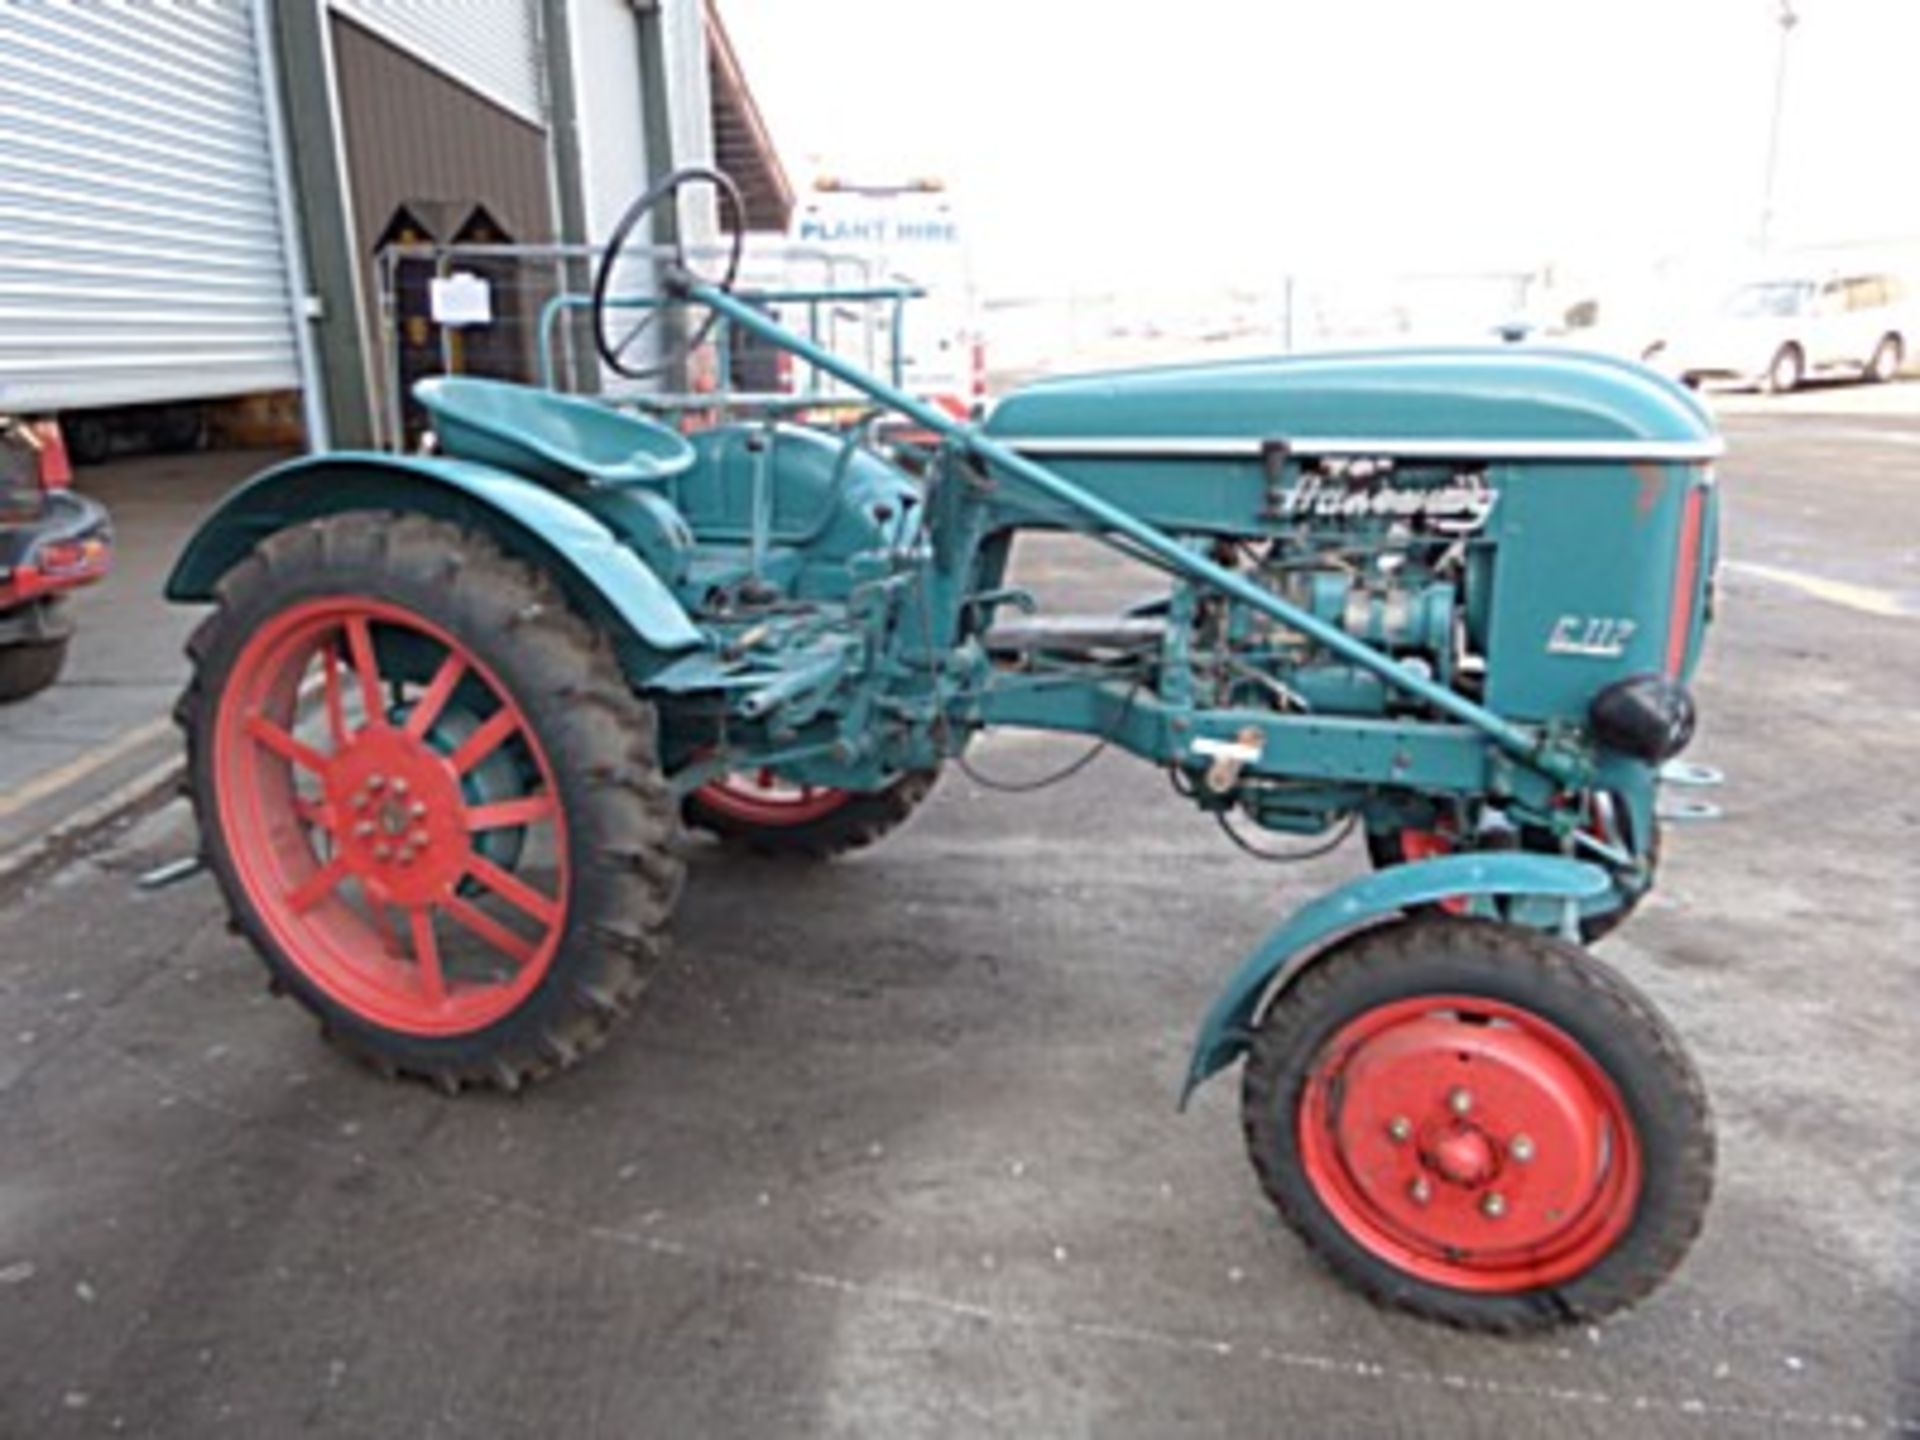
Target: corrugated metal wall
[
  {"x": 139, "y": 244},
  {"x": 488, "y": 45}
]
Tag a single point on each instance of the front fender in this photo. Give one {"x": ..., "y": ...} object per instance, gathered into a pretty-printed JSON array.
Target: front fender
[
  {"x": 1285, "y": 953},
  {"x": 608, "y": 580}
]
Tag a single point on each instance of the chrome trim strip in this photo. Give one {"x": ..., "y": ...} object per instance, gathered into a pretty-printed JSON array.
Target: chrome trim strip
[{"x": 1157, "y": 447}]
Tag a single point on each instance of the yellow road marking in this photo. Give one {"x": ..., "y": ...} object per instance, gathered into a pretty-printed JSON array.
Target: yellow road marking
[
  {"x": 61, "y": 776},
  {"x": 1863, "y": 598}
]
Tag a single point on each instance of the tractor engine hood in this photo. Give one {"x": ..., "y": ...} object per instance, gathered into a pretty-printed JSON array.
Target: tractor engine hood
[{"x": 1491, "y": 403}]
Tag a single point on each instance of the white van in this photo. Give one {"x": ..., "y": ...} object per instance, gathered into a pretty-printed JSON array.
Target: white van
[{"x": 1776, "y": 333}]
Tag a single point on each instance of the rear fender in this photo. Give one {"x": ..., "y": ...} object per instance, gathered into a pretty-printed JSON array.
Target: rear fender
[
  {"x": 1286, "y": 953},
  {"x": 606, "y": 579}
]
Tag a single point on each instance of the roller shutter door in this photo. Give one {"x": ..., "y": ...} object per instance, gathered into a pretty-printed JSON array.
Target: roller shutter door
[{"x": 140, "y": 249}]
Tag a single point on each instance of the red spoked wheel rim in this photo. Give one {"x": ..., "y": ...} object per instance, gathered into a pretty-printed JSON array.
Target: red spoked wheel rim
[
  {"x": 355, "y": 843},
  {"x": 759, "y": 797},
  {"x": 1470, "y": 1143}
]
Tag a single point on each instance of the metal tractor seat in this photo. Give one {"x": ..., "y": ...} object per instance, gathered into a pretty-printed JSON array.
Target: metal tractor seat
[{"x": 560, "y": 439}]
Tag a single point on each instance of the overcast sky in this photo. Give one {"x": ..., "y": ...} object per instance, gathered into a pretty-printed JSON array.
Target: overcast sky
[{"x": 1114, "y": 144}]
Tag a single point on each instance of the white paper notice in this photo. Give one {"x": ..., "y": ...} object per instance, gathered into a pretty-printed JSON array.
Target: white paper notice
[{"x": 461, "y": 298}]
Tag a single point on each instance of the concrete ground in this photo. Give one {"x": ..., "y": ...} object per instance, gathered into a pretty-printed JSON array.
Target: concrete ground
[{"x": 891, "y": 1149}]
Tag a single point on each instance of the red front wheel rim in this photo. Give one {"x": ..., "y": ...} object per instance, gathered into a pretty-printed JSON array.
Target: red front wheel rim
[
  {"x": 348, "y": 815},
  {"x": 1469, "y": 1143},
  {"x": 759, "y": 797}
]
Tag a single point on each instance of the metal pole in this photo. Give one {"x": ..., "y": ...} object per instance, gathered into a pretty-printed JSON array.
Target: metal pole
[
  {"x": 313, "y": 380},
  {"x": 1786, "y": 19}
]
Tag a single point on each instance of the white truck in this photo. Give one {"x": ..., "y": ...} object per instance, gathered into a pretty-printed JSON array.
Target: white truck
[{"x": 911, "y": 231}]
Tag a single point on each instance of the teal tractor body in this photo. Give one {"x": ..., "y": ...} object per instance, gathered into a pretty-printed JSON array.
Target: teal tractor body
[{"x": 1451, "y": 600}]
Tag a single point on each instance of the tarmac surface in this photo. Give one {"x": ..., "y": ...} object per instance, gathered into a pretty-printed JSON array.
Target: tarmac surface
[{"x": 891, "y": 1148}]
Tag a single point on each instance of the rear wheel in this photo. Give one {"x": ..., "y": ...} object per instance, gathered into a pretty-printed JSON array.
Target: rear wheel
[
  {"x": 430, "y": 798},
  {"x": 29, "y": 666},
  {"x": 1888, "y": 356},
  {"x": 1479, "y": 1124},
  {"x": 765, "y": 814}
]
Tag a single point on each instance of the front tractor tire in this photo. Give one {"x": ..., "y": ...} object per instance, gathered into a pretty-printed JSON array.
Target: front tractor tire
[
  {"x": 758, "y": 812},
  {"x": 430, "y": 798},
  {"x": 1479, "y": 1124}
]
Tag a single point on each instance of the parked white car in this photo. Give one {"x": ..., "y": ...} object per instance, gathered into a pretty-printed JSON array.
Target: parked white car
[{"x": 1777, "y": 333}]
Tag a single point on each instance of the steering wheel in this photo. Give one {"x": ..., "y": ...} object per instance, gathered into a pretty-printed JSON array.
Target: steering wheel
[{"x": 675, "y": 274}]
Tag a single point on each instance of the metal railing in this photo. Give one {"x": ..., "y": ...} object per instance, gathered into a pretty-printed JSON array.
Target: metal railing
[{"x": 537, "y": 329}]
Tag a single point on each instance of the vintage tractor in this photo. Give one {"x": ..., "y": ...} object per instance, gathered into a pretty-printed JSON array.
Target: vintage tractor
[{"x": 447, "y": 713}]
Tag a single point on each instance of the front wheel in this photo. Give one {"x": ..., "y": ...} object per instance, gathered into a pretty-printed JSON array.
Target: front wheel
[
  {"x": 1479, "y": 1124},
  {"x": 1785, "y": 371},
  {"x": 430, "y": 798}
]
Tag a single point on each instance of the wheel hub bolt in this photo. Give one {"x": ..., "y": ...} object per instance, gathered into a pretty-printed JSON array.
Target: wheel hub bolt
[
  {"x": 383, "y": 851},
  {"x": 399, "y": 787},
  {"x": 376, "y": 783},
  {"x": 1400, "y": 1128},
  {"x": 418, "y": 839},
  {"x": 418, "y": 809},
  {"x": 1460, "y": 1102},
  {"x": 1493, "y": 1205},
  {"x": 359, "y": 800},
  {"x": 1521, "y": 1148},
  {"x": 1420, "y": 1192},
  {"x": 363, "y": 829}
]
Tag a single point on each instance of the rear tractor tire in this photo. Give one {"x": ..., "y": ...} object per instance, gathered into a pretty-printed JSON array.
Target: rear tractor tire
[
  {"x": 1479, "y": 1124},
  {"x": 764, "y": 815},
  {"x": 430, "y": 798}
]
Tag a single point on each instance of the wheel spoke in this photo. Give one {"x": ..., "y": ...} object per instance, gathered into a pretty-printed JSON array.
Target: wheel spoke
[
  {"x": 512, "y": 889},
  {"x": 317, "y": 886},
  {"x": 527, "y": 810},
  {"x": 377, "y": 902},
  {"x": 315, "y": 813},
  {"x": 366, "y": 665},
  {"x": 283, "y": 744},
  {"x": 336, "y": 700},
  {"x": 427, "y": 709},
  {"x": 426, "y": 954},
  {"x": 484, "y": 741},
  {"x": 626, "y": 341},
  {"x": 488, "y": 929}
]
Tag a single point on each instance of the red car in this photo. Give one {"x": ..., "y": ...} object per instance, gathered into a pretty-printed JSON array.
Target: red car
[{"x": 51, "y": 541}]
